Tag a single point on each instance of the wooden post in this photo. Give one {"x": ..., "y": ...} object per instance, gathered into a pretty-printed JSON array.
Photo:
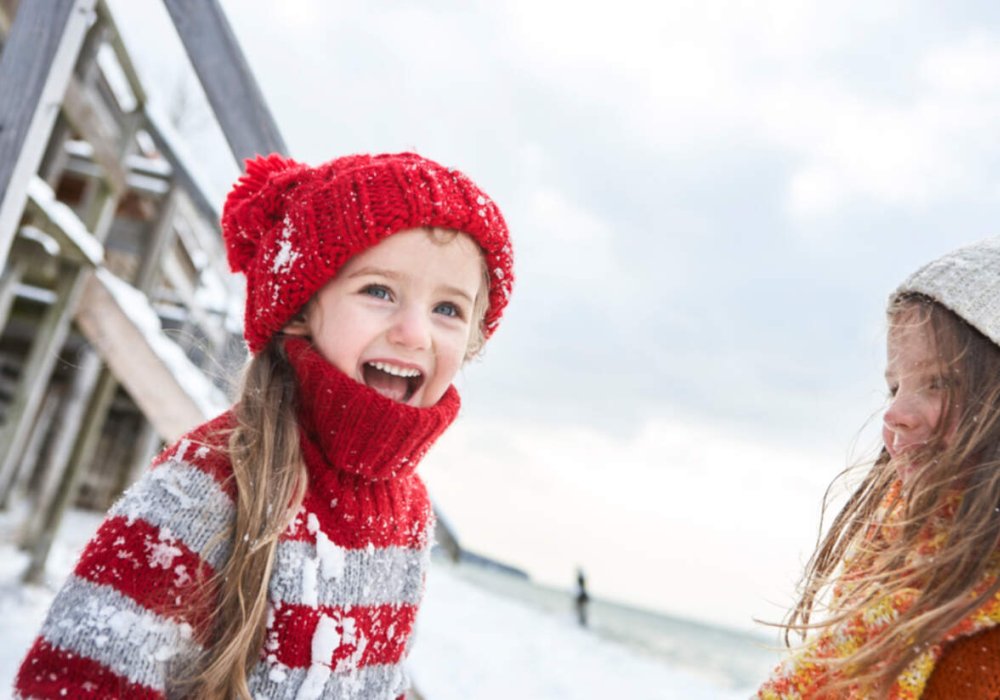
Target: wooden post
[
  {"x": 98, "y": 390},
  {"x": 224, "y": 74},
  {"x": 51, "y": 513},
  {"x": 33, "y": 450},
  {"x": 53, "y": 163},
  {"x": 80, "y": 113},
  {"x": 10, "y": 277},
  {"x": 159, "y": 129},
  {"x": 147, "y": 444},
  {"x": 102, "y": 392},
  {"x": 161, "y": 233},
  {"x": 160, "y": 236},
  {"x": 112, "y": 483},
  {"x": 51, "y": 335},
  {"x": 76, "y": 436},
  {"x": 98, "y": 395},
  {"x": 59, "y": 483},
  {"x": 119, "y": 48},
  {"x": 35, "y": 67},
  {"x": 7, "y": 8}
]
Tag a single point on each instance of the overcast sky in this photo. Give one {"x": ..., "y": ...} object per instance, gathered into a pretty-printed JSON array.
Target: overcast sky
[{"x": 710, "y": 202}]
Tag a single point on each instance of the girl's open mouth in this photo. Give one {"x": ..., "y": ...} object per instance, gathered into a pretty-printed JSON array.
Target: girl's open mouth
[{"x": 392, "y": 381}]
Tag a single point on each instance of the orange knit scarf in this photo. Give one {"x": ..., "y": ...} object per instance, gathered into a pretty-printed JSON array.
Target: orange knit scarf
[{"x": 803, "y": 676}]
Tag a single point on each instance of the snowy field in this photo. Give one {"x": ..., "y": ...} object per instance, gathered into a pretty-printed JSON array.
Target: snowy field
[{"x": 470, "y": 643}]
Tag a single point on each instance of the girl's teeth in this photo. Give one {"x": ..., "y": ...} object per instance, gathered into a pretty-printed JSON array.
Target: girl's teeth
[{"x": 397, "y": 371}]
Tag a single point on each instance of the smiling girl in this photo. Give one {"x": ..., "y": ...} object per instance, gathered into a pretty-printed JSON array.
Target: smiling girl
[
  {"x": 910, "y": 566},
  {"x": 279, "y": 551}
]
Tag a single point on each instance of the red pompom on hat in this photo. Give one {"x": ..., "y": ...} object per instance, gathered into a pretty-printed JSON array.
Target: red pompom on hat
[{"x": 290, "y": 227}]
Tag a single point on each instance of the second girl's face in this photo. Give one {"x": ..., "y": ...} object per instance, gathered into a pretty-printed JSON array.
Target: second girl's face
[
  {"x": 398, "y": 317},
  {"x": 917, "y": 387}
]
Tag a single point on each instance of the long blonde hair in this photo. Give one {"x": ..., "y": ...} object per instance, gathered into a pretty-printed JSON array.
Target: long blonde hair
[
  {"x": 962, "y": 467},
  {"x": 269, "y": 475},
  {"x": 270, "y": 479}
]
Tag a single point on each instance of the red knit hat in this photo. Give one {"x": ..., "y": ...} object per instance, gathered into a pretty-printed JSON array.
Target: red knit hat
[{"x": 290, "y": 227}]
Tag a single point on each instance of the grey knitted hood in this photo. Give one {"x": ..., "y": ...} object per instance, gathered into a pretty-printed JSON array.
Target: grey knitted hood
[{"x": 967, "y": 281}]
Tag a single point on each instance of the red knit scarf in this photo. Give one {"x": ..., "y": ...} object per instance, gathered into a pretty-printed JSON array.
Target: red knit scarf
[
  {"x": 349, "y": 427},
  {"x": 803, "y": 676}
]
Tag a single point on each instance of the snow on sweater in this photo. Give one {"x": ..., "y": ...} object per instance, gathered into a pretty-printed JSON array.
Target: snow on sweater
[{"x": 348, "y": 577}]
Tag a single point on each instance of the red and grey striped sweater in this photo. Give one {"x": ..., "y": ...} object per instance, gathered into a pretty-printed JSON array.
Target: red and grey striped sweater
[{"x": 347, "y": 579}]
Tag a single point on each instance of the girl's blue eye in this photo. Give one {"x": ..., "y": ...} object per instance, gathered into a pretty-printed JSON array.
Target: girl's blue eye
[
  {"x": 937, "y": 383},
  {"x": 447, "y": 309},
  {"x": 377, "y": 291}
]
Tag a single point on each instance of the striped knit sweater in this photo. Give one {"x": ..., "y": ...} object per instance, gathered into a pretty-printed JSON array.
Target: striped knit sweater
[{"x": 348, "y": 576}]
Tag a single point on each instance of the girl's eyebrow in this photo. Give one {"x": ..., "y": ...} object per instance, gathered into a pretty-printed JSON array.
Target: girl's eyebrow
[
  {"x": 919, "y": 365},
  {"x": 457, "y": 292},
  {"x": 379, "y": 271}
]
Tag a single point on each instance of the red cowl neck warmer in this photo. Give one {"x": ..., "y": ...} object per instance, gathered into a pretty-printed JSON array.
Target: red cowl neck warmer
[{"x": 347, "y": 426}]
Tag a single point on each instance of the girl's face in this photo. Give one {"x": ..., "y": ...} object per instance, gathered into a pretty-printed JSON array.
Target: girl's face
[
  {"x": 398, "y": 317},
  {"x": 917, "y": 387}
]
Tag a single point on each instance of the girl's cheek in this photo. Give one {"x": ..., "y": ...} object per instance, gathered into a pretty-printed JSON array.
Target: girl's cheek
[
  {"x": 889, "y": 438},
  {"x": 949, "y": 434}
]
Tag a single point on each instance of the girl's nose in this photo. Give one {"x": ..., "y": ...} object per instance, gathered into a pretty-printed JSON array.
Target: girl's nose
[
  {"x": 900, "y": 414},
  {"x": 411, "y": 329}
]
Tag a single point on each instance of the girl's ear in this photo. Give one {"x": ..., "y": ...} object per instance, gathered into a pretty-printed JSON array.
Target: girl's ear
[{"x": 298, "y": 326}]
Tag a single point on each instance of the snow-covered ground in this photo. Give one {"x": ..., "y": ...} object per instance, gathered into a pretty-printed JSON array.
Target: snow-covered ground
[
  {"x": 22, "y": 608},
  {"x": 470, "y": 643}
]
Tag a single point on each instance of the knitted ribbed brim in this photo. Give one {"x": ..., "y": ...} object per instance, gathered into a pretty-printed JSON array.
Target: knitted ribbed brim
[{"x": 967, "y": 281}]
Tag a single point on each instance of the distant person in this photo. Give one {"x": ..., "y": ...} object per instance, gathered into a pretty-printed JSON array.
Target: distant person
[
  {"x": 279, "y": 550},
  {"x": 582, "y": 598},
  {"x": 901, "y": 599}
]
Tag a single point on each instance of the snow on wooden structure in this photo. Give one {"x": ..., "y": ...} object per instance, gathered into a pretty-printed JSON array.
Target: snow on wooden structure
[{"x": 108, "y": 237}]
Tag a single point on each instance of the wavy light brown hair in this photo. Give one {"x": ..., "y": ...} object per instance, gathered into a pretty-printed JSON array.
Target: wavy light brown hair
[
  {"x": 961, "y": 458},
  {"x": 270, "y": 479}
]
